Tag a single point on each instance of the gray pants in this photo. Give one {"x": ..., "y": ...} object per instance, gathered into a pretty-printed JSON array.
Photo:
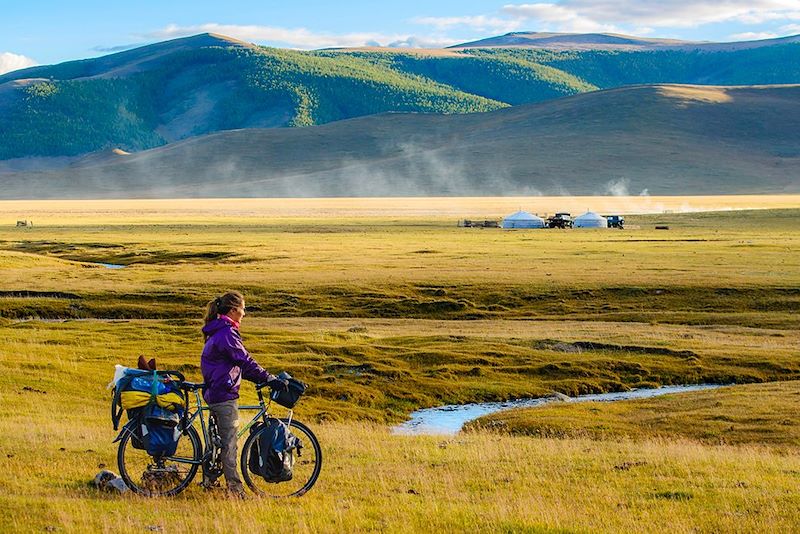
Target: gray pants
[{"x": 227, "y": 417}]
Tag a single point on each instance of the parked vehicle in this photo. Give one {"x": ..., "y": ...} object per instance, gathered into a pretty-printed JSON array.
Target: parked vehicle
[{"x": 559, "y": 220}]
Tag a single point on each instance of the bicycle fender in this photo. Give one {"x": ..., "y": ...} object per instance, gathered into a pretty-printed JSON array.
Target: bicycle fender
[{"x": 127, "y": 427}]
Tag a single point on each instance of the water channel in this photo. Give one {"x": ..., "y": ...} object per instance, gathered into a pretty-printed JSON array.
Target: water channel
[{"x": 449, "y": 419}]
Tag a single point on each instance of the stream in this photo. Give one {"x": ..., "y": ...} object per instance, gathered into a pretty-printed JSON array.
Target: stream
[{"x": 449, "y": 419}]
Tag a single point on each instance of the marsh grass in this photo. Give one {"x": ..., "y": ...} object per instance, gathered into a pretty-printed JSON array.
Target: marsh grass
[
  {"x": 386, "y": 370},
  {"x": 734, "y": 268},
  {"x": 763, "y": 414}
]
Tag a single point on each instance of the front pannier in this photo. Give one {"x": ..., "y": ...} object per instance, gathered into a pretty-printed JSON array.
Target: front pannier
[{"x": 272, "y": 455}]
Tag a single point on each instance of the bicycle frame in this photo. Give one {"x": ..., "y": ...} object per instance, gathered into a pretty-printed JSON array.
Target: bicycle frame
[{"x": 208, "y": 443}]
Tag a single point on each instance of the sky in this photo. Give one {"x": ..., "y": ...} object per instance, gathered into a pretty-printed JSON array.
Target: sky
[{"x": 52, "y": 31}]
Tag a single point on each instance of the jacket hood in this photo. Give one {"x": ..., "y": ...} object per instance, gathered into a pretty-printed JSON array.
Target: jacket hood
[{"x": 215, "y": 325}]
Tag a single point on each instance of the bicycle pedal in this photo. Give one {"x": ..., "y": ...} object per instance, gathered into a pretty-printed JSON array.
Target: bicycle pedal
[{"x": 210, "y": 484}]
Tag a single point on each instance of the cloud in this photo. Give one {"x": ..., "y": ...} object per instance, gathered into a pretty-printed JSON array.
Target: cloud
[
  {"x": 758, "y": 17},
  {"x": 479, "y": 22},
  {"x": 300, "y": 37},
  {"x": 574, "y": 15},
  {"x": 753, "y": 36},
  {"x": 559, "y": 17},
  {"x": 10, "y": 62}
]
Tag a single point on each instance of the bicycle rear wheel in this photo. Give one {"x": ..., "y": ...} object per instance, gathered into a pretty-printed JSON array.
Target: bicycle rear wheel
[
  {"x": 153, "y": 477},
  {"x": 306, "y": 469}
]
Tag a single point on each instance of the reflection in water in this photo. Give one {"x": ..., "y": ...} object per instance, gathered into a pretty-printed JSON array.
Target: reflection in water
[{"x": 450, "y": 419}]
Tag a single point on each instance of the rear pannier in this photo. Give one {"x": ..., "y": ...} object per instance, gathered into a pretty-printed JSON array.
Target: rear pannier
[
  {"x": 155, "y": 406},
  {"x": 160, "y": 431}
]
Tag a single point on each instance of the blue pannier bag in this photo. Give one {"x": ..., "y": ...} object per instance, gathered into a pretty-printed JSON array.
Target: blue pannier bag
[
  {"x": 160, "y": 431},
  {"x": 145, "y": 383},
  {"x": 275, "y": 448}
]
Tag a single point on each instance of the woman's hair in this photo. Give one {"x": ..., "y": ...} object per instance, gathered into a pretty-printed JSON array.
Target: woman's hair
[{"x": 222, "y": 305}]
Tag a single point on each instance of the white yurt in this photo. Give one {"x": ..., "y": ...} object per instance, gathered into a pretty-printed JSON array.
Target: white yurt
[
  {"x": 590, "y": 220},
  {"x": 522, "y": 219}
]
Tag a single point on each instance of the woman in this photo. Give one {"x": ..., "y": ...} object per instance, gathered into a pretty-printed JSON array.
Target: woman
[{"x": 224, "y": 362}]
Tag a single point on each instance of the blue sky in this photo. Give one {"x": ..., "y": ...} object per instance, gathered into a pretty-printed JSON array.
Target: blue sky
[{"x": 49, "y": 31}]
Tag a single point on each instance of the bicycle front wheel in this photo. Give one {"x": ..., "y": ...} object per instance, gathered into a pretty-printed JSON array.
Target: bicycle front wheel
[
  {"x": 305, "y": 471},
  {"x": 150, "y": 476}
]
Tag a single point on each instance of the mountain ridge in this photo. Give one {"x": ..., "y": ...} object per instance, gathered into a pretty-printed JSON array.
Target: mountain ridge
[{"x": 613, "y": 41}]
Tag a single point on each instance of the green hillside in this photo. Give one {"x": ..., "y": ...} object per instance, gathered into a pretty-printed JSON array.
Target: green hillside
[
  {"x": 158, "y": 94},
  {"x": 605, "y": 69},
  {"x": 206, "y": 89}
]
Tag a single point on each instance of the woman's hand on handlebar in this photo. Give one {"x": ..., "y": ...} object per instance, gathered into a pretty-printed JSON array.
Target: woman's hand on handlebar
[{"x": 277, "y": 384}]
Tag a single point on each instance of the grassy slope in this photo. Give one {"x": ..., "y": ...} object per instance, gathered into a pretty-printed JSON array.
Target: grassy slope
[
  {"x": 664, "y": 139},
  {"x": 219, "y": 88},
  {"x": 752, "y": 414}
]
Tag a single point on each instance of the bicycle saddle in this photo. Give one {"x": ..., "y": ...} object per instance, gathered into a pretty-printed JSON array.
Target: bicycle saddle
[{"x": 192, "y": 386}]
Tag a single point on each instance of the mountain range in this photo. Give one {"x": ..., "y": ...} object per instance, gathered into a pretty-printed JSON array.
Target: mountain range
[{"x": 520, "y": 113}]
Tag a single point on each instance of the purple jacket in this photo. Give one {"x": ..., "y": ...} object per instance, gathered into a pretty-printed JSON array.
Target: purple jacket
[{"x": 225, "y": 361}]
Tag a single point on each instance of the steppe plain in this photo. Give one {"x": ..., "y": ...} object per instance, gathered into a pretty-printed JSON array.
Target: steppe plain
[{"x": 385, "y": 306}]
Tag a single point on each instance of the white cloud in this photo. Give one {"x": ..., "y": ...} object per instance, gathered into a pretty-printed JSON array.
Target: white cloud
[
  {"x": 790, "y": 29},
  {"x": 479, "y": 22},
  {"x": 10, "y": 62},
  {"x": 758, "y": 17},
  {"x": 301, "y": 37},
  {"x": 752, "y": 36},
  {"x": 569, "y": 14},
  {"x": 559, "y": 17}
]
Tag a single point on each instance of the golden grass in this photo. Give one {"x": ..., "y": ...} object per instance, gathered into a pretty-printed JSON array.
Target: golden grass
[
  {"x": 367, "y": 304},
  {"x": 375, "y": 481},
  {"x": 381, "y": 370},
  {"x": 247, "y": 210},
  {"x": 715, "y": 95},
  {"x": 700, "y": 252}
]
